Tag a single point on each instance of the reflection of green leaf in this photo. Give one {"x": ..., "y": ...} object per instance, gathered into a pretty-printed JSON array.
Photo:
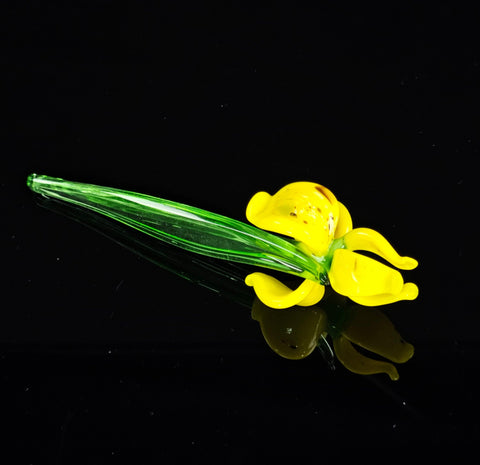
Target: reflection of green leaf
[
  {"x": 338, "y": 310},
  {"x": 223, "y": 277},
  {"x": 327, "y": 352}
]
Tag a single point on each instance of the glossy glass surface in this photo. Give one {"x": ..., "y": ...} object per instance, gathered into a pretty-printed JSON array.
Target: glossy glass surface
[{"x": 184, "y": 226}]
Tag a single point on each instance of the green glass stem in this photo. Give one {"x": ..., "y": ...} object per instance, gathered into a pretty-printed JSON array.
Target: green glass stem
[{"x": 190, "y": 228}]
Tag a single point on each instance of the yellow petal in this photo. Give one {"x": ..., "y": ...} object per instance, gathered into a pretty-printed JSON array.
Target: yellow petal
[
  {"x": 409, "y": 292},
  {"x": 257, "y": 205},
  {"x": 353, "y": 275},
  {"x": 372, "y": 241},
  {"x": 344, "y": 224},
  {"x": 275, "y": 294},
  {"x": 306, "y": 211}
]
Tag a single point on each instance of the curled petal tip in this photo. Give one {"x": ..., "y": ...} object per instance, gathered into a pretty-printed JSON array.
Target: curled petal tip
[
  {"x": 275, "y": 294},
  {"x": 393, "y": 373},
  {"x": 256, "y": 205},
  {"x": 409, "y": 291},
  {"x": 408, "y": 263},
  {"x": 358, "y": 363}
]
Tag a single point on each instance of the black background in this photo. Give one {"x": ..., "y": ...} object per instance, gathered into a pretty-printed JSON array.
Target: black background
[{"x": 106, "y": 358}]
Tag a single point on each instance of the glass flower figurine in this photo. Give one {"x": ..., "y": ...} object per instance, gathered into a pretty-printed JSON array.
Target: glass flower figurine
[
  {"x": 322, "y": 227},
  {"x": 336, "y": 326},
  {"x": 320, "y": 246}
]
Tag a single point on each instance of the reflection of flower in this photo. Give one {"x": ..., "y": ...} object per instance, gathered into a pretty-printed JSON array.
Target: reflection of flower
[
  {"x": 311, "y": 214},
  {"x": 370, "y": 329},
  {"x": 294, "y": 333}
]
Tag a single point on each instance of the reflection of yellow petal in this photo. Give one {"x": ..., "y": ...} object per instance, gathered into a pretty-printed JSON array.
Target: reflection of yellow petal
[
  {"x": 371, "y": 329},
  {"x": 358, "y": 363},
  {"x": 275, "y": 294},
  {"x": 292, "y": 333}
]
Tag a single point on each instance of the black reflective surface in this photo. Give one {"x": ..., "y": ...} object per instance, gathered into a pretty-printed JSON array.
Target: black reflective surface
[{"x": 107, "y": 357}]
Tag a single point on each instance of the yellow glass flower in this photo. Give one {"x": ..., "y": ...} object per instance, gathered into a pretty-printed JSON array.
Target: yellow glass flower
[{"x": 311, "y": 215}]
